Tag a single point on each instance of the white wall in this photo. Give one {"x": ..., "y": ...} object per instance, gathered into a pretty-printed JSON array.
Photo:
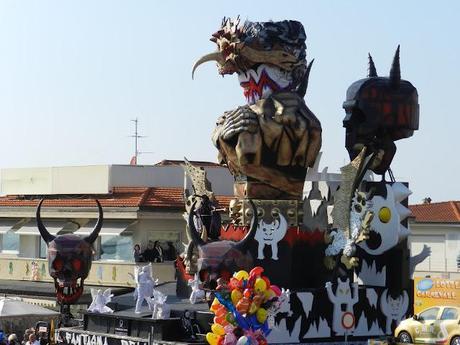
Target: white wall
[
  {"x": 444, "y": 240},
  {"x": 100, "y": 179}
]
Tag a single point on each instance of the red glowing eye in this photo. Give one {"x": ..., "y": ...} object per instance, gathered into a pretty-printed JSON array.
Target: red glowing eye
[
  {"x": 204, "y": 275},
  {"x": 76, "y": 264},
  {"x": 224, "y": 274},
  {"x": 58, "y": 264}
]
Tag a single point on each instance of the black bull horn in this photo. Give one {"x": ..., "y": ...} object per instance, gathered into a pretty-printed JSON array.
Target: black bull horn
[
  {"x": 241, "y": 245},
  {"x": 47, "y": 237}
]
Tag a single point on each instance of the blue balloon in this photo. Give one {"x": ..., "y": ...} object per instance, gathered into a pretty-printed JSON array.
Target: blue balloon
[
  {"x": 242, "y": 322},
  {"x": 225, "y": 302},
  {"x": 265, "y": 329}
]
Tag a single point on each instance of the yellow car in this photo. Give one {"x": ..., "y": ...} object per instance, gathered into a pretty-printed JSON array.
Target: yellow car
[{"x": 435, "y": 325}]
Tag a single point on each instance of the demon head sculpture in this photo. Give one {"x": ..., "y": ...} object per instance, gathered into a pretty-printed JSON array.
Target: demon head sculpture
[
  {"x": 267, "y": 56},
  {"x": 379, "y": 111},
  {"x": 220, "y": 259},
  {"x": 69, "y": 258}
]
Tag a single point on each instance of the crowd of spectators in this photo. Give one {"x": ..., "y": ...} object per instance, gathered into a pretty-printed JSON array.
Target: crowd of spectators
[
  {"x": 30, "y": 337},
  {"x": 155, "y": 252}
]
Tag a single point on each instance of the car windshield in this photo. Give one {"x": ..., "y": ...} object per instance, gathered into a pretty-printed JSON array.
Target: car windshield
[
  {"x": 449, "y": 314},
  {"x": 429, "y": 314}
]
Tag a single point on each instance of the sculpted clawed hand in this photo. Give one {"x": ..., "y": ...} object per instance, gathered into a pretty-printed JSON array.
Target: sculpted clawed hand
[{"x": 242, "y": 119}]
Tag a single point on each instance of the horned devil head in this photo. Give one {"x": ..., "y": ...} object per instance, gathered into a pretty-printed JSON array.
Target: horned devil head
[
  {"x": 69, "y": 258},
  {"x": 220, "y": 259}
]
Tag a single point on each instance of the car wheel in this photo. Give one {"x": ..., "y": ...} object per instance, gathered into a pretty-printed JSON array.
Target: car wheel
[
  {"x": 455, "y": 341},
  {"x": 405, "y": 337}
]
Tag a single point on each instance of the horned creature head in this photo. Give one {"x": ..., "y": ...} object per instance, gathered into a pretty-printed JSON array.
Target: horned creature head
[
  {"x": 69, "y": 258},
  {"x": 267, "y": 56},
  {"x": 220, "y": 259}
]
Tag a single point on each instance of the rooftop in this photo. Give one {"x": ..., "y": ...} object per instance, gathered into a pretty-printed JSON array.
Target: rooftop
[
  {"x": 141, "y": 197},
  {"x": 437, "y": 212}
]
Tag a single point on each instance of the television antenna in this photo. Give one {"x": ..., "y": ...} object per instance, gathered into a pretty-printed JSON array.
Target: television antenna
[{"x": 136, "y": 137}]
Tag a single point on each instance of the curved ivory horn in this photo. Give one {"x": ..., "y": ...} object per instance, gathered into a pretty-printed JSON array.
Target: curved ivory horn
[
  {"x": 47, "y": 237},
  {"x": 216, "y": 56},
  {"x": 191, "y": 230},
  {"x": 242, "y": 245},
  {"x": 93, "y": 235}
]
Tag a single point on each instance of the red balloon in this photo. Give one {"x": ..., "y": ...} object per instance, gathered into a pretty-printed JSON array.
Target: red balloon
[
  {"x": 247, "y": 293},
  {"x": 256, "y": 271}
]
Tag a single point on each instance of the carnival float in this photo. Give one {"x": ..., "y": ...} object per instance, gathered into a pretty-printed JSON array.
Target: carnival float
[{"x": 306, "y": 256}]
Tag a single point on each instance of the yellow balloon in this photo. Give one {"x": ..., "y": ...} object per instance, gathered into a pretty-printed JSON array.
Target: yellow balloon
[
  {"x": 236, "y": 296},
  {"x": 260, "y": 285},
  {"x": 261, "y": 315},
  {"x": 215, "y": 305},
  {"x": 269, "y": 294},
  {"x": 213, "y": 339},
  {"x": 217, "y": 329},
  {"x": 252, "y": 308},
  {"x": 240, "y": 275}
]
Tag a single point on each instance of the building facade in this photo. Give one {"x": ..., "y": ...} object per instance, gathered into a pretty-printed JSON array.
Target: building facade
[
  {"x": 437, "y": 225},
  {"x": 141, "y": 204}
]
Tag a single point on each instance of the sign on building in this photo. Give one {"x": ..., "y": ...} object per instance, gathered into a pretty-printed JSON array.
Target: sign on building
[{"x": 429, "y": 292}]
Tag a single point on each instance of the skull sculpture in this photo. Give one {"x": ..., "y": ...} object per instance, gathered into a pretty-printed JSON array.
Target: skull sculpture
[
  {"x": 220, "y": 259},
  {"x": 69, "y": 258}
]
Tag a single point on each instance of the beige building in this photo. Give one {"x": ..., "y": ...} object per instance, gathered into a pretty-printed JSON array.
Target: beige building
[
  {"x": 437, "y": 225},
  {"x": 140, "y": 203}
]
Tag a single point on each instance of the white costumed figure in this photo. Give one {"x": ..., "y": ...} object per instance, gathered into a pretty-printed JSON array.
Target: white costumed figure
[
  {"x": 145, "y": 286},
  {"x": 197, "y": 294},
  {"x": 158, "y": 306},
  {"x": 269, "y": 234},
  {"x": 344, "y": 297},
  {"x": 100, "y": 300},
  {"x": 393, "y": 308}
]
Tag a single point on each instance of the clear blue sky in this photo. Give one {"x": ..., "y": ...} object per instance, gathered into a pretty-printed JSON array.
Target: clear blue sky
[{"x": 73, "y": 73}]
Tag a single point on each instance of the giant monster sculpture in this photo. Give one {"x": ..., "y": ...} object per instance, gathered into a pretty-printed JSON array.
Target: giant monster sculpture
[
  {"x": 271, "y": 141},
  {"x": 69, "y": 258},
  {"x": 316, "y": 231}
]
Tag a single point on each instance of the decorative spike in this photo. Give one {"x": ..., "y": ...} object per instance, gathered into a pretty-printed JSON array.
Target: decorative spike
[
  {"x": 403, "y": 233},
  {"x": 400, "y": 191},
  {"x": 372, "y": 71},
  {"x": 395, "y": 72},
  {"x": 403, "y": 211}
]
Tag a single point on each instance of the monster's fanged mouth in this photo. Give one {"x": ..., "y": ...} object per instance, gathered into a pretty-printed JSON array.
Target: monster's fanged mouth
[
  {"x": 68, "y": 293},
  {"x": 374, "y": 241}
]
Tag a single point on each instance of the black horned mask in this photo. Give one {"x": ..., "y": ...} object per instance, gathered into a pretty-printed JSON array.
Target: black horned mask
[
  {"x": 379, "y": 111},
  {"x": 69, "y": 258},
  {"x": 220, "y": 259}
]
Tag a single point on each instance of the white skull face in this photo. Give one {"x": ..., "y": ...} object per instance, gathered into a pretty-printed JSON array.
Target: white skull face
[
  {"x": 269, "y": 233},
  {"x": 386, "y": 229}
]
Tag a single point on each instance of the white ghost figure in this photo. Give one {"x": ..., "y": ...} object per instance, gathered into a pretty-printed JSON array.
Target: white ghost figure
[
  {"x": 343, "y": 298},
  {"x": 270, "y": 234},
  {"x": 100, "y": 300},
  {"x": 158, "y": 306},
  {"x": 197, "y": 294},
  {"x": 386, "y": 230},
  {"x": 393, "y": 309},
  {"x": 145, "y": 286}
]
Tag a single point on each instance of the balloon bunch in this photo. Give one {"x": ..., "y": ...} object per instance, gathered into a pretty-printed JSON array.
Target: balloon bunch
[{"x": 241, "y": 308}]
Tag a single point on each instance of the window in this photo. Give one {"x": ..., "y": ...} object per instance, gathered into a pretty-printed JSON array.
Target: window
[
  {"x": 449, "y": 314},
  {"x": 43, "y": 249},
  {"x": 10, "y": 242},
  {"x": 117, "y": 247},
  {"x": 429, "y": 314}
]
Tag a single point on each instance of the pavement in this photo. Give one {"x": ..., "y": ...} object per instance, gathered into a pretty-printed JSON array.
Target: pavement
[{"x": 46, "y": 291}]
